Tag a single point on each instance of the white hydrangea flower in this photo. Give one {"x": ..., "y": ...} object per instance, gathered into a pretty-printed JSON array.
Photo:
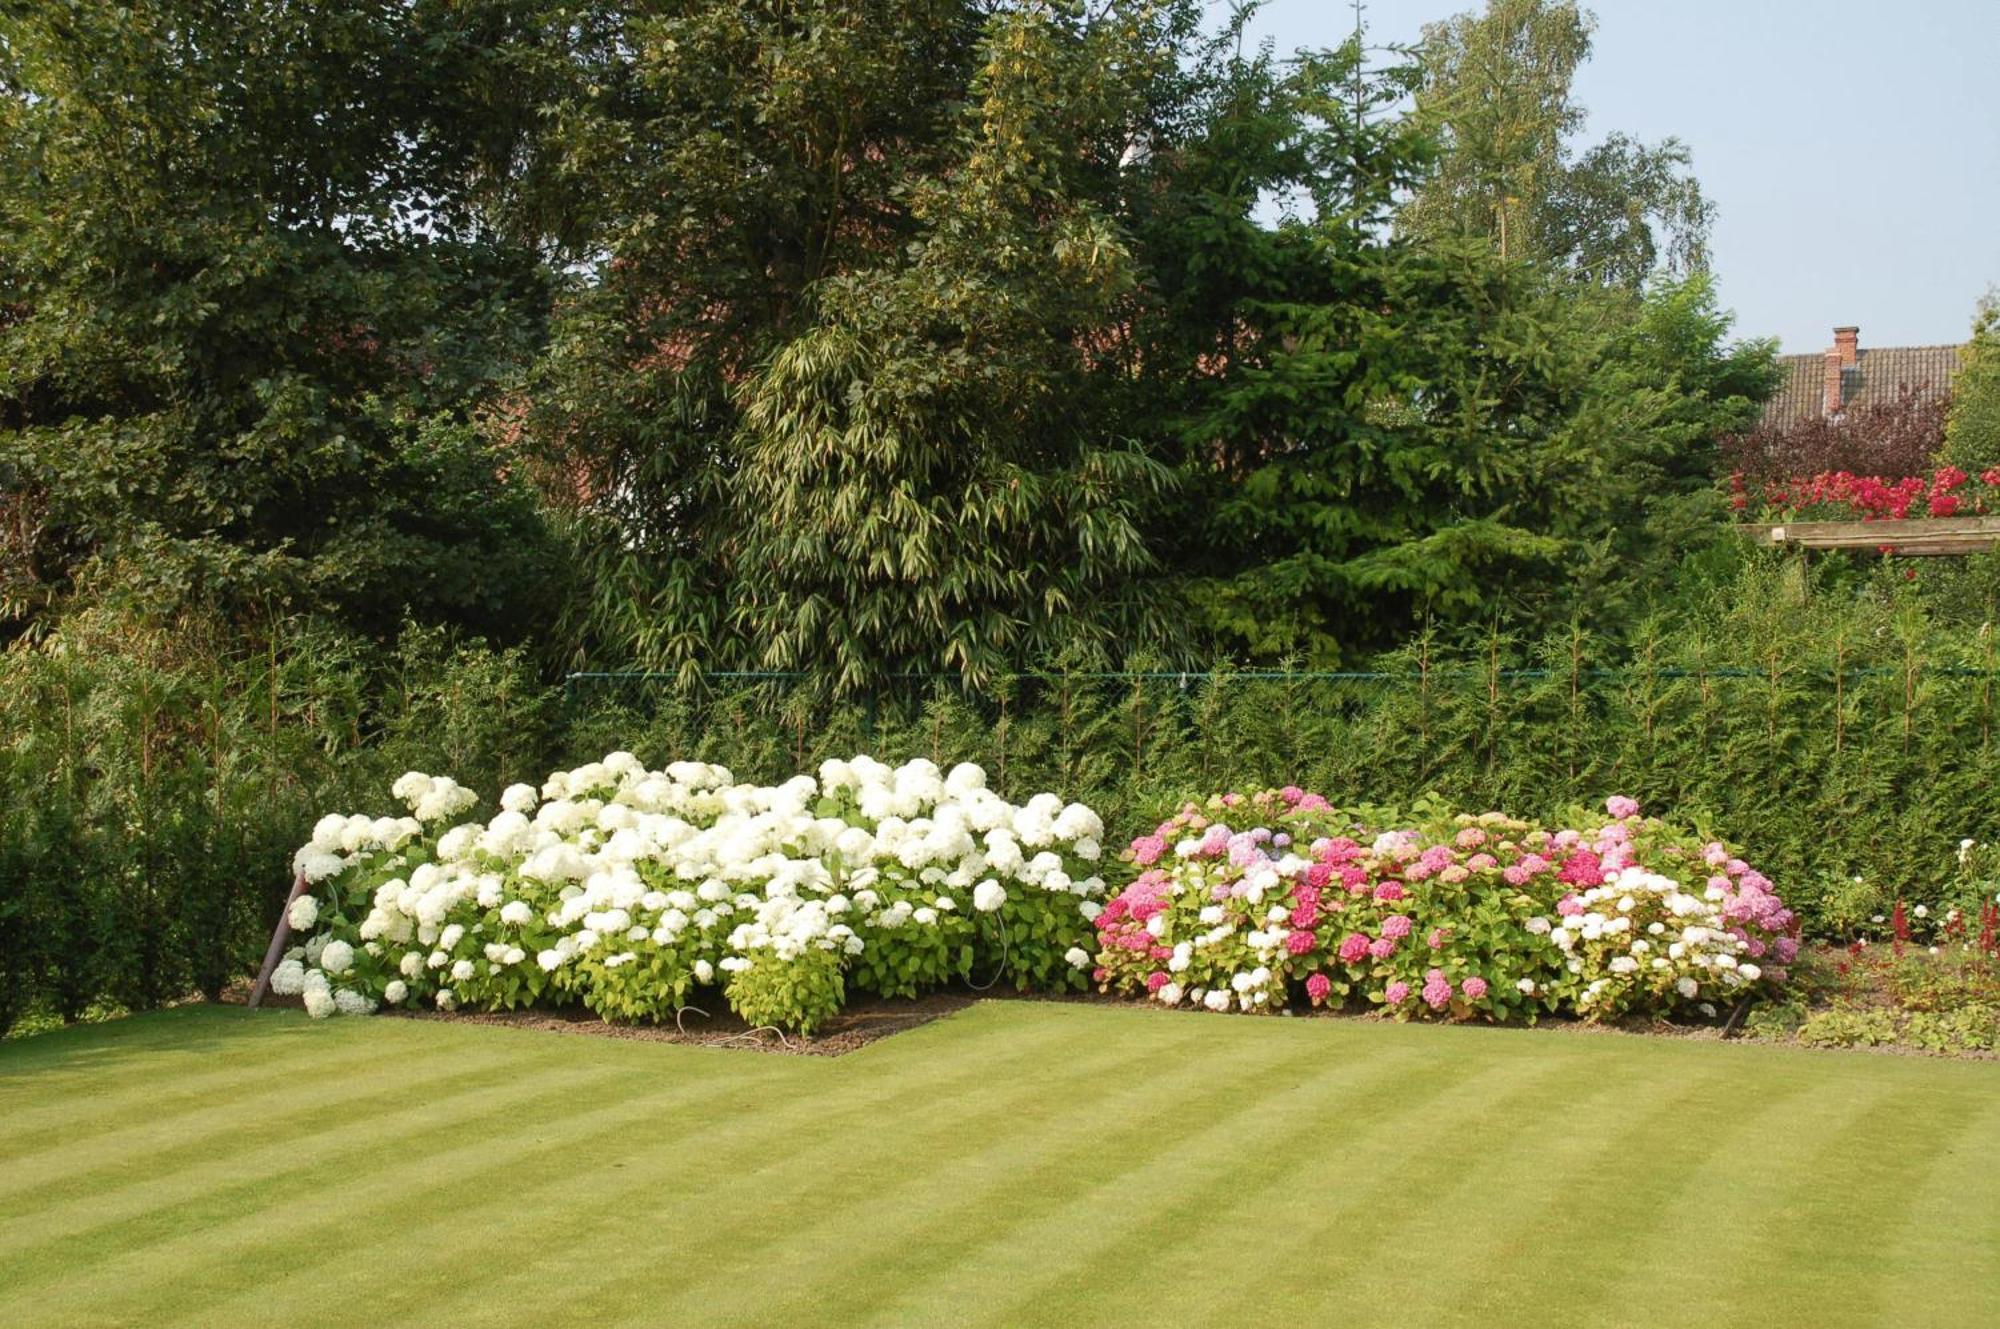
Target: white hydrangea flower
[
  {"x": 336, "y": 957},
  {"x": 303, "y": 913}
]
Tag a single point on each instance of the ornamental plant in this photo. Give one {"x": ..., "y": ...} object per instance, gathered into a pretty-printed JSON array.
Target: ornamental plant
[
  {"x": 1251, "y": 903},
  {"x": 1843, "y": 495},
  {"x": 629, "y": 890}
]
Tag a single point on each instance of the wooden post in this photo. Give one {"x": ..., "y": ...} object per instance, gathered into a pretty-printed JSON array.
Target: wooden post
[{"x": 279, "y": 936}]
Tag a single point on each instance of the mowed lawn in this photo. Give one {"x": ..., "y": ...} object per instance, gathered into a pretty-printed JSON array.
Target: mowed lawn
[{"x": 1017, "y": 1164}]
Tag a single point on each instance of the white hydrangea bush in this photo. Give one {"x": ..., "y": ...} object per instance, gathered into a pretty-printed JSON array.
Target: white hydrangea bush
[
  {"x": 628, "y": 889},
  {"x": 1641, "y": 940}
]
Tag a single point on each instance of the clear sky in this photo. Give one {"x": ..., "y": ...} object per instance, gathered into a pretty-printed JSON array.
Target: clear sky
[{"x": 1851, "y": 147}]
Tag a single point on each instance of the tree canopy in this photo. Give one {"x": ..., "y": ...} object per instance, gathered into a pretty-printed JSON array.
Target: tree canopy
[
  {"x": 843, "y": 336},
  {"x": 1497, "y": 93}
]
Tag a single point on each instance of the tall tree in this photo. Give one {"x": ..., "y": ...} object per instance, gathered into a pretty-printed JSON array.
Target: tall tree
[
  {"x": 931, "y": 477},
  {"x": 247, "y": 314},
  {"x": 1972, "y": 430},
  {"x": 1497, "y": 94},
  {"x": 1386, "y": 427},
  {"x": 706, "y": 165},
  {"x": 830, "y": 394}
]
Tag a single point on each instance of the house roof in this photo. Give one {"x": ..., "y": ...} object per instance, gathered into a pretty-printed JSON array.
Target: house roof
[{"x": 1878, "y": 375}]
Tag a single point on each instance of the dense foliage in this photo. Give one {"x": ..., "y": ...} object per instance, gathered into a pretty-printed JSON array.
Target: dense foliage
[
  {"x": 1972, "y": 433},
  {"x": 633, "y": 891},
  {"x": 629, "y": 889},
  {"x": 1896, "y": 436},
  {"x": 249, "y": 317},
  {"x": 947, "y": 356},
  {"x": 1248, "y": 902}
]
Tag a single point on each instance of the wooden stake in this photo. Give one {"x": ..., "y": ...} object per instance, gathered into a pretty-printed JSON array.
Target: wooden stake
[{"x": 279, "y": 937}]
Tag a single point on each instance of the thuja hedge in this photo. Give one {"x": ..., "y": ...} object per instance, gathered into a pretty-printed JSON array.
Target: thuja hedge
[
  {"x": 156, "y": 782},
  {"x": 1865, "y": 750}
]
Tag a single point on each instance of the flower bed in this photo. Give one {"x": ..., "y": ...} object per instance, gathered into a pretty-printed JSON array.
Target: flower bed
[
  {"x": 1844, "y": 496},
  {"x": 627, "y": 889},
  {"x": 1242, "y": 903}
]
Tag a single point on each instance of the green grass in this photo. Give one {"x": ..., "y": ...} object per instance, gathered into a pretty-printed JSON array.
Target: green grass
[{"x": 1017, "y": 1164}]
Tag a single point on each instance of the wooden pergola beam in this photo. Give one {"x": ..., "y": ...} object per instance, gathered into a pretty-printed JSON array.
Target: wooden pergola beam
[{"x": 1927, "y": 537}]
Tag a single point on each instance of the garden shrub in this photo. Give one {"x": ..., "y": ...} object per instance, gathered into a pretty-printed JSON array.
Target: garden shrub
[
  {"x": 1974, "y": 1028},
  {"x": 628, "y": 889},
  {"x": 1848, "y": 1026},
  {"x": 1440, "y": 914}
]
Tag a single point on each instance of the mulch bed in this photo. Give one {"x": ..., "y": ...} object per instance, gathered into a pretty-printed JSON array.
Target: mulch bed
[{"x": 865, "y": 1020}]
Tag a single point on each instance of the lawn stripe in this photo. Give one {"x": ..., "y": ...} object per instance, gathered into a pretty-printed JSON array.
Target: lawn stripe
[
  {"x": 1956, "y": 1190},
  {"x": 983, "y": 1257},
  {"x": 1335, "y": 1166},
  {"x": 902, "y": 1216},
  {"x": 1862, "y": 1146},
  {"x": 1754, "y": 1147},
  {"x": 308, "y": 1250},
  {"x": 766, "y": 1157},
  {"x": 1177, "y": 1191},
  {"x": 1413, "y": 1182},
  {"x": 97, "y": 1161},
  {"x": 169, "y": 1210},
  {"x": 102, "y": 1098}
]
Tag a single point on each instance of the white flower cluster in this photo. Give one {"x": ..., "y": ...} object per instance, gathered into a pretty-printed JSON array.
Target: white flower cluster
[
  {"x": 1643, "y": 931},
  {"x": 613, "y": 870}
]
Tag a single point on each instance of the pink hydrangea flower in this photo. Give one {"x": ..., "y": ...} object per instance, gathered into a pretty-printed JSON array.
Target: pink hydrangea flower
[
  {"x": 1382, "y": 947},
  {"x": 1353, "y": 947},
  {"x": 1305, "y": 914},
  {"x": 1437, "y": 938},
  {"x": 1569, "y": 906},
  {"x": 1389, "y": 892},
  {"x": 1469, "y": 838},
  {"x": 1621, "y": 807},
  {"x": 1437, "y": 992},
  {"x": 1146, "y": 850},
  {"x": 1299, "y": 941},
  {"x": 1474, "y": 987},
  {"x": 1317, "y": 987},
  {"x": 1157, "y": 980},
  {"x": 1396, "y": 926},
  {"x": 1396, "y": 993},
  {"x": 1582, "y": 868}
]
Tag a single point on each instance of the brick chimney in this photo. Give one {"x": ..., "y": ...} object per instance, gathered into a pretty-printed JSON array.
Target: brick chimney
[
  {"x": 1848, "y": 342},
  {"x": 1833, "y": 394}
]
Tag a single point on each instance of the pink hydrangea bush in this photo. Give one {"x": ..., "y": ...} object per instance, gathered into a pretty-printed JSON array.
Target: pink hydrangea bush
[{"x": 1256, "y": 902}]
